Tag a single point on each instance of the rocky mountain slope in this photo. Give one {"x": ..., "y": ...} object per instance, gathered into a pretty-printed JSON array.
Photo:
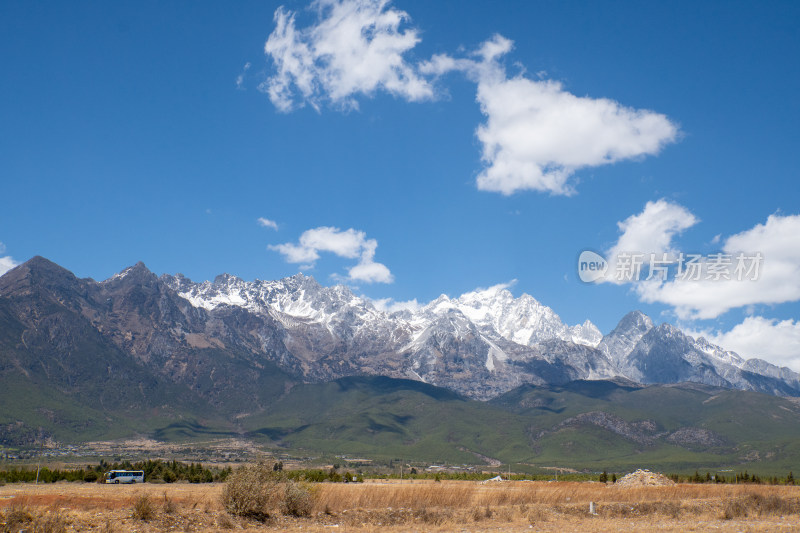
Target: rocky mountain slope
[
  {"x": 237, "y": 345},
  {"x": 484, "y": 342}
]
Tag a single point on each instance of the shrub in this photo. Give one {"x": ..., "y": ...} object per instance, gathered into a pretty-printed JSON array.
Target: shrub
[
  {"x": 757, "y": 505},
  {"x": 143, "y": 508},
  {"x": 734, "y": 509},
  {"x": 224, "y": 522},
  {"x": 50, "y": 522},
  {"x": 169, "y": 505},
  {"x": 297, "y": 500},
  {"x": 20, "y": 518},
  {"x": 17, "y": 515},
  {"x": 253, "y": 492},
  {"x": 775, "y": 505},
  {"x": 260, "y": 491}
]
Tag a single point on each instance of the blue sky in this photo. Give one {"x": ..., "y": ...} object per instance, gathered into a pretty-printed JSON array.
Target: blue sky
[{"x": 145, "y": 131}]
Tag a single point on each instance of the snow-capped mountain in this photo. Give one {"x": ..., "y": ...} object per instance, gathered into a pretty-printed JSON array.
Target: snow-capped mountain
[
  {"x": 232, "y": 341},
  {"x": 481, "y": 343},
  {"x": 645, "y": 353},
  {"x": 494, "y": 311},
  {"x": 521, "y": 320}
]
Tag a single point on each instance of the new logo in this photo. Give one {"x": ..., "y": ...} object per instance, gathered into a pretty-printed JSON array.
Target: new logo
[{"x": 591, "y": 266}]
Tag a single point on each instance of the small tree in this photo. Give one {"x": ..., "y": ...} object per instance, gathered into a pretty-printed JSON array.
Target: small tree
[
  {"x": 790, "y": 479},
  {"x": 613, "y": 478},
  {"x": 604, "y": 477}
]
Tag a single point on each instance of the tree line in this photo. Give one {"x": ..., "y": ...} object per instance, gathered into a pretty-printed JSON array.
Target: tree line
[{"x": 154, "y": 471}]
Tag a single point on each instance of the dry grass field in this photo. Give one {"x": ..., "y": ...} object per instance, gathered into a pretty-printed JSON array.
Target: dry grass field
[{"x": 408, "y": 506}]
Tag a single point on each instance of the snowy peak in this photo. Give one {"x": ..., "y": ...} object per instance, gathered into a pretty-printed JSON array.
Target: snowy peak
[
  {"x": 520, "y": 320},
  {"x": 623, "y": 339},
  {"x": 717, "y": 353},
  {"x": 137, "y": 273},
  {"x": 288, "y": 300},
  {"x": 586, "y": 334},
  {"x": 480, "y": 343},
  {"x": 494, "y": 311},
  {"x": 635, "y": 321}
]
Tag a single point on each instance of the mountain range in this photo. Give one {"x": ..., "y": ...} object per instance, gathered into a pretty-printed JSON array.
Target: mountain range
[
  {"x": 84, "y": 356},
  {"x": 227, "y": 334}
]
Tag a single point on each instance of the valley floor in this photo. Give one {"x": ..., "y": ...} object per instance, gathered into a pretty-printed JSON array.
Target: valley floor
[{"x": 409, "y": 506}]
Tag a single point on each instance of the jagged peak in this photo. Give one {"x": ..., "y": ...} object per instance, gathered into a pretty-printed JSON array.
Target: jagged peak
[
  {"x": 489, "y": 293},
  {"x": 37, "y": 261},
  {"x": 138, "y": 267},
  {"x": 139, "y": 271},
  {"x": 703, "y": 342},
  {"x": 666, "y": 327},
  {"x": 36, "y": 271},
  {"x": 39, "y": 264},
  {"x": 300, "y": 280},
  {"x": 634, "y": 320},
  {"x": 225, "y": 279}
]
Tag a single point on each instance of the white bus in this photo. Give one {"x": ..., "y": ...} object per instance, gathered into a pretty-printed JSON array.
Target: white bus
[{"x": 124, "y": 476}]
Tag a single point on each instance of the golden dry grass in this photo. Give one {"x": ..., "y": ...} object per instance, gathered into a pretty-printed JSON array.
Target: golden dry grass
[
  {"x": 424, "y": 506},
  {"x": 459, "y": 494}
]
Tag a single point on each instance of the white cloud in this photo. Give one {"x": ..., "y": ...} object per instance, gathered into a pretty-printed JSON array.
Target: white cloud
[
  {"x": 778, "y": 281},
  {"x": 775, "y": 279},
  {"x": 294, "y": 253},
  {"x": 537, "y": 135},
  {"x": 7, "y": 262},
  {"x": 650, "y": 231},
  {"x": 350, "y": 244},
  {"x": 267, "y": 223},
  {"x": 775, "y": 341},
  {"x": 240, "y": 77},
  {"x": 371, "y": 272},
  {"x": 355, "y": 47},
  {"x": 388, "y": 305}
]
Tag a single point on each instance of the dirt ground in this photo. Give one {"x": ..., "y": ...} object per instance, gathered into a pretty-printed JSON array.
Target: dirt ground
[{"x": 408, "y": 506}]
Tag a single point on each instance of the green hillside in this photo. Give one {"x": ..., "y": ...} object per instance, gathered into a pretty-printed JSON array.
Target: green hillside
[
  {"x": 583, "y": 425},
  {"x": 387, "y": 418}
]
